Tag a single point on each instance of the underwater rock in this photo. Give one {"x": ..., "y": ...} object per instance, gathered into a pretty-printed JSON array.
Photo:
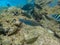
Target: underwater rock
[
  {"x": 14, "y": 11},
  {"x": 2, "y": 30},
  {"x": 42, "y": 34},
  {"x": 57, "y": 34},
  {"x": 51, "y": 24},
  {"x": 14, "y": 25},
  {"x": 30, "y": 36},
  {"x": 40, "y": 29},
  {"x": 46, "y": 40}
]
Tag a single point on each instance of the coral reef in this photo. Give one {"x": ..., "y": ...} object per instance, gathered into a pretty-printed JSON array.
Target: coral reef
[{"x": 40, "y": 25}]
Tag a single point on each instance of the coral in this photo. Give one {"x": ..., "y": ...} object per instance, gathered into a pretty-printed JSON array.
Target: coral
[
  {"x": 36, "y": 26},
  {"x": 9, "y": 18}
]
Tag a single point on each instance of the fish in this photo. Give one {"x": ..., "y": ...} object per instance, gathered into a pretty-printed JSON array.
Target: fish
[
  {"x": 58, "y": 3},
  {"x": 29, "y": 22},
  {"x": 56, "y": 17},
  {"x": 29, "y": 6}
]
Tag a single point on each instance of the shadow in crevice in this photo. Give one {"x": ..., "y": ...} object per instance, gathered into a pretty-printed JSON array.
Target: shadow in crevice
[{"x": 56, "y": 36}]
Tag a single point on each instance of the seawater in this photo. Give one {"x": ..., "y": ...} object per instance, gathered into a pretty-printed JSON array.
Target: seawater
[
  {"x": 17, "y": 3},
  {"x": 21, "y": 3},
  {"x": 53, "y": 3}
]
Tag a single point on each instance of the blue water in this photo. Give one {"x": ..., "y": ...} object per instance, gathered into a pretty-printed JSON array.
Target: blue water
[
  {"x": 17, "y": 3},
  {"x": 53, "y": 3},
  {"x": 21, "y": 3}
]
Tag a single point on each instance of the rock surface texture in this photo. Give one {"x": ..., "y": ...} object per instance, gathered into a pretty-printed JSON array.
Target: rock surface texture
[{"x": 17, "y": 27}]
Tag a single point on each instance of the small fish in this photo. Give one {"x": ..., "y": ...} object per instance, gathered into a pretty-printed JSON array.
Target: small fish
[
  {"x": 8, "y": 5},
  {"x": 58, "y": 3},
  {"x": 28, "y": 7},
  {"x": 30, "y": 22},
  {"x": 56, "y": 17}
]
